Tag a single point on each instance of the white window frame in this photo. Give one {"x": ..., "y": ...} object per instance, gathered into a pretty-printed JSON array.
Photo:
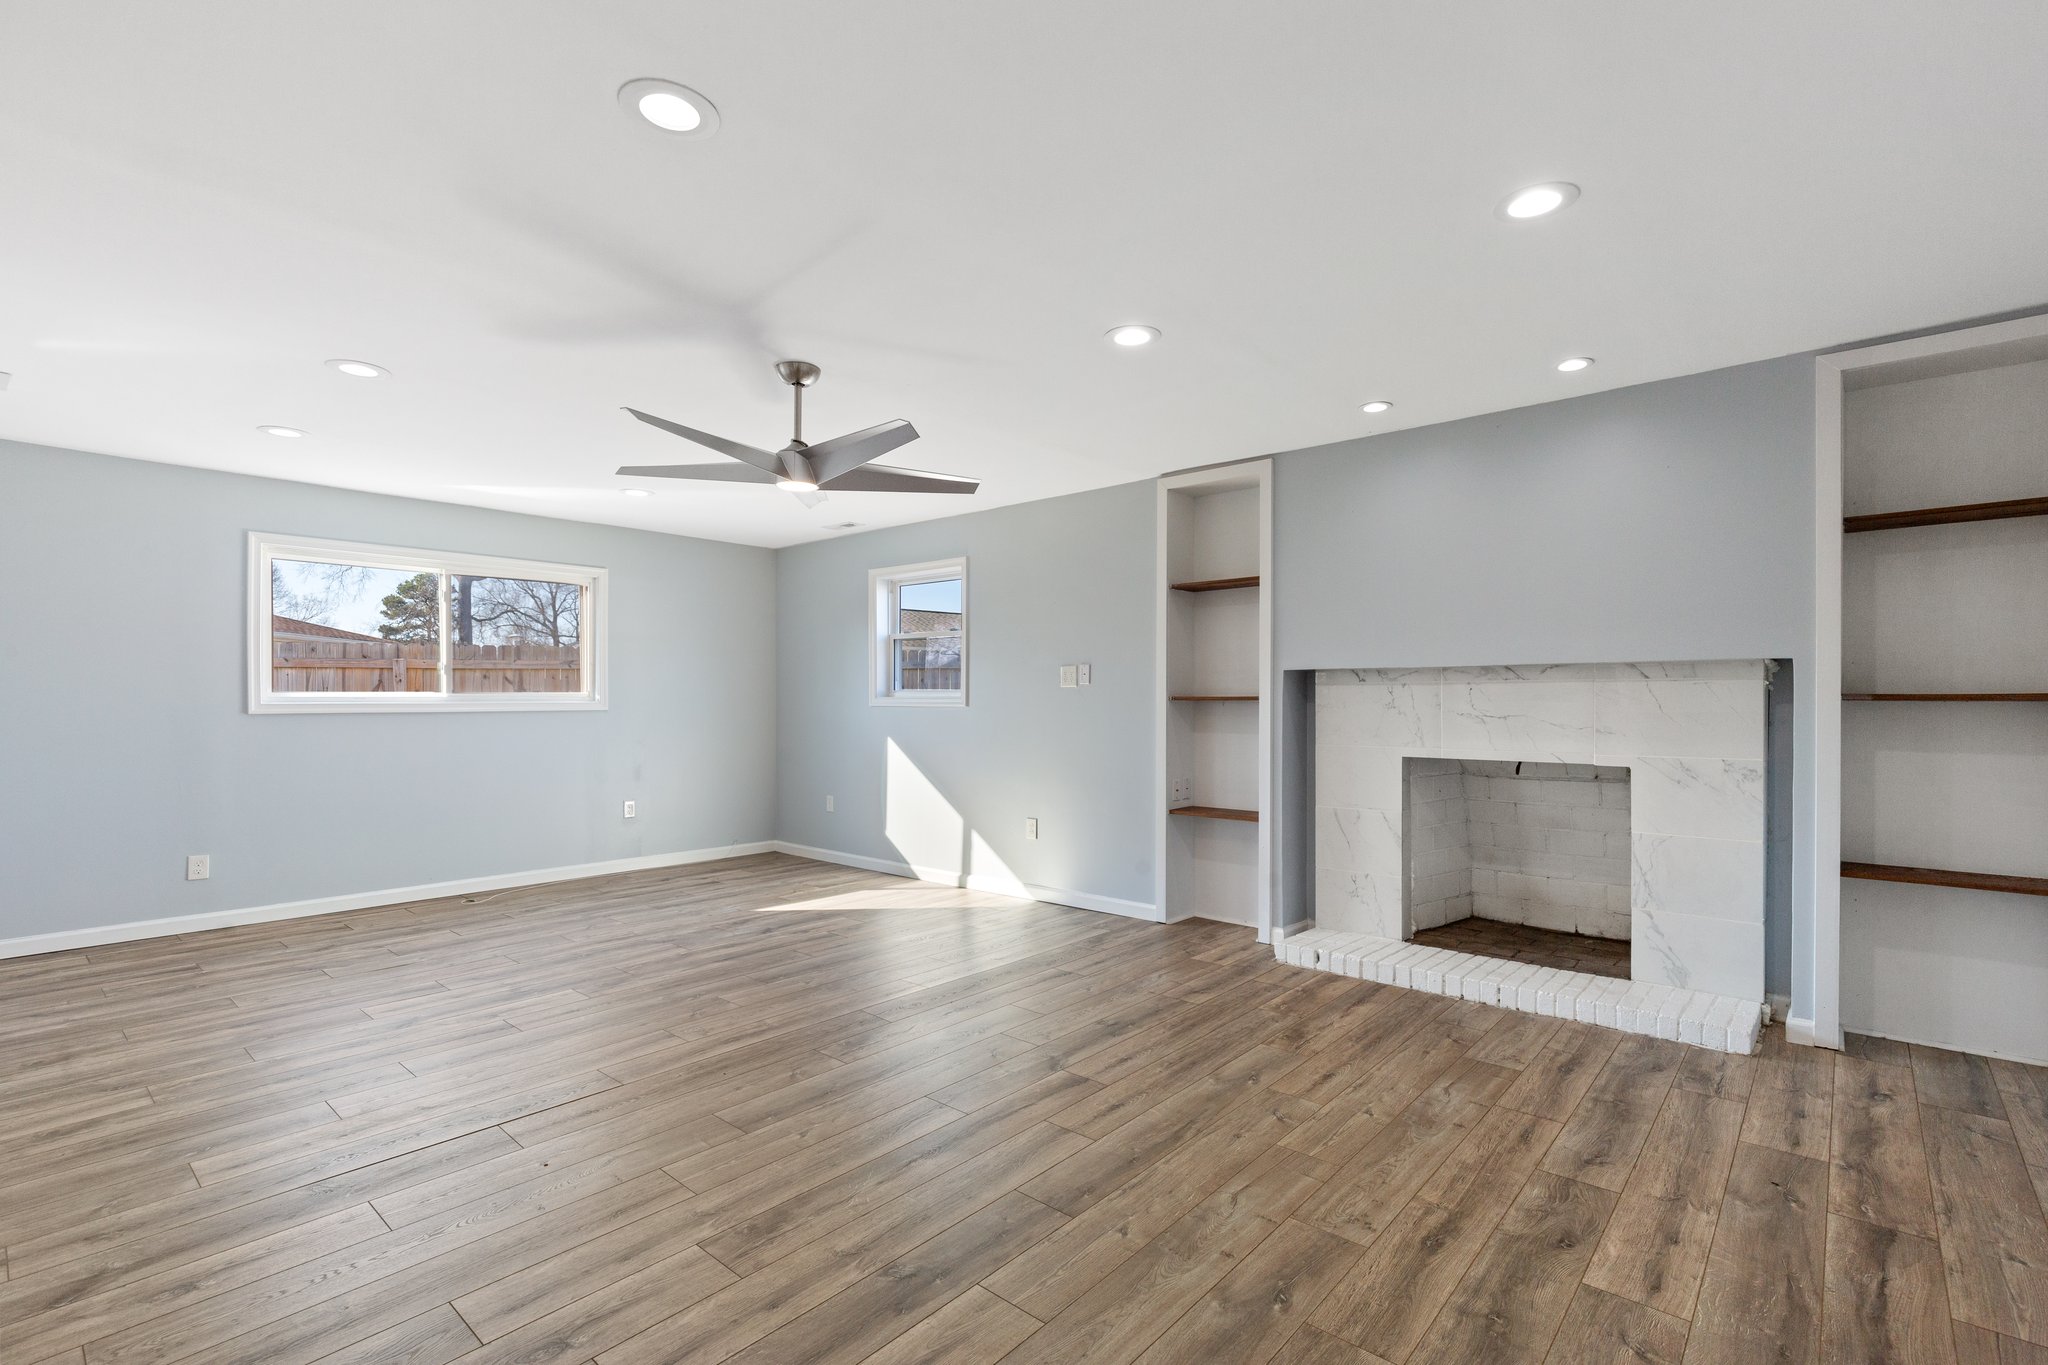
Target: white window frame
[
  {"x": 884, "y": 589},
  {"x": 591, "y": 629}
]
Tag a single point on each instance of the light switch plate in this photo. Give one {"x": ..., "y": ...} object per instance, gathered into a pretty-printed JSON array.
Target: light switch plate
[
  {"x": 1084, "y": 670},
  {"x": 1031, "y": 827}
]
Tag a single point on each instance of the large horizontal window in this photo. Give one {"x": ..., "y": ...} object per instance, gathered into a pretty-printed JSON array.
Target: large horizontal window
[{"x": 335, "y": 626}]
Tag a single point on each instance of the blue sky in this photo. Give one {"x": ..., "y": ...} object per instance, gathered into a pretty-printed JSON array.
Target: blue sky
[
  {"x": 942, "y": 596},
  {"x": 351, "y": 601}
]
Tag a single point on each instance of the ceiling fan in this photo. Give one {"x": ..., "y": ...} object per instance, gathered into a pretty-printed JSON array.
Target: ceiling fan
[{"x": 840, "y": 464}]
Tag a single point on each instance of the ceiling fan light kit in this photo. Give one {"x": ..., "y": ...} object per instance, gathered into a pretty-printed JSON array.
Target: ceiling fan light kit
[{"x": 840, "y": 465}]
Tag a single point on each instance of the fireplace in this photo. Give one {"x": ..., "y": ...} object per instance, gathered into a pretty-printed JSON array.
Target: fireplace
[
  {"x": 1545, "y": 845},
  {"x": 1616, "y": 800}
]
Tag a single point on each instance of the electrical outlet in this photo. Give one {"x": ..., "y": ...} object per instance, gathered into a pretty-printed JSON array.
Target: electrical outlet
[
  {"x": 828, "y": 805},
  {"x": 198, "y": 867},
  {"x": 1084, "y": 670},
  {"x": 1183, "y": 790},
  {"x": 1068, "y": 676},
  {"x": 1031, "y": 827}
]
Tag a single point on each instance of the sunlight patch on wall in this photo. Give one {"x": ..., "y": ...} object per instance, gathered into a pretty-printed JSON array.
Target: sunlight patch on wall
[{"x": 919, "y": 821}]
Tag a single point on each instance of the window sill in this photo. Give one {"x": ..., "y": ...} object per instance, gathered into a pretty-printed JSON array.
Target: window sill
[
  {"x": 329, "y": 705},
  {"x": 950, "y": 700}
]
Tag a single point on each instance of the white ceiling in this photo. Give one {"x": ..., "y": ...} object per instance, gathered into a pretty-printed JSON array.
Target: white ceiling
[{"x": 946, "y": 205}]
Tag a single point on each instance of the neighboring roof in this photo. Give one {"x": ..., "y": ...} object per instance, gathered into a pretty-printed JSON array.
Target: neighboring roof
[
  {"x": 285, "y": 625},
  {"x": 931, "y": 620}
]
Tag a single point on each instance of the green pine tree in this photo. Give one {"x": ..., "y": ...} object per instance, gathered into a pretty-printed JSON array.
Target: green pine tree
[{"x": 413, "y": 611}]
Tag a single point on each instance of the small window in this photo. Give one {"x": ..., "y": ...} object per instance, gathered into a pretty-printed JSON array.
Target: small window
[
  {"x": 918, "y": 624},
  {"x": 344, "y": 627}
]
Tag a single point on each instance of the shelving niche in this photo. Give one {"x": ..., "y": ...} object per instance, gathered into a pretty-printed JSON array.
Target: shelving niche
[
  {"x": 1215, "y": 611},
  {"x": 1944, "y": 779}
]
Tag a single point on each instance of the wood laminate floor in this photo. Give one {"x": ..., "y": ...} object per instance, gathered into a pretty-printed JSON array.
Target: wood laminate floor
[
  {"x": 771, "y": 1110},
  {"x": 1527, "y": 943}
]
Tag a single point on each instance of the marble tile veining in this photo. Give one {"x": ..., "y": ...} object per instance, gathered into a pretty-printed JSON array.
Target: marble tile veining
[{"x": 1691, "y": 735}]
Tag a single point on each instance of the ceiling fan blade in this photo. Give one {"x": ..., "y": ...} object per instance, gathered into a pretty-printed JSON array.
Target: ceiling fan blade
[
  {"x": 760, "y": 459},
  {"x": 843, "y": 453},
  {"x": 712, "y": 473},
  {"x": 881, "y": 478}
]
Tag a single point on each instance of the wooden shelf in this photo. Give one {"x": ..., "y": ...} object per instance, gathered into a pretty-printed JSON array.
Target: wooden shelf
[
  {"x": 1945, "y": 696},
  {"x": 1214, "y": 813},
  {"x": 1947, "y": 516},
  {"x": 1216, "y": 584},
  {"x": 1215, "y": 696},
  {"x": 1934, "y": 876}
]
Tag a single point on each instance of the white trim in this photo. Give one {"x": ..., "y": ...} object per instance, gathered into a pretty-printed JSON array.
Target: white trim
[
  {"x": 1272, "y": 820},
  {"x": 1001, "y": 886},
  {"x": 593, "y": 626},
  {"x": 65, "y": 939},
  {"x": 882, "y": 587},
  {"x": 1821, "y": 1024}
]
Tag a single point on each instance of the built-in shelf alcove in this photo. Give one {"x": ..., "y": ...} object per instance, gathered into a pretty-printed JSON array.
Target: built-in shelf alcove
[
  {"x": 1943, "y": 737},
  {"x": 1215, "y": 622}
]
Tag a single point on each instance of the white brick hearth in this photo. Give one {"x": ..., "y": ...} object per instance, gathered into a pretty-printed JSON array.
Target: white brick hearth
[{"x": 1701, "y": 1018}]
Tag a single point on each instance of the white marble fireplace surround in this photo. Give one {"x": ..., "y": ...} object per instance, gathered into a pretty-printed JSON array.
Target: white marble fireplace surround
[{"x": 1691, "y": 736}]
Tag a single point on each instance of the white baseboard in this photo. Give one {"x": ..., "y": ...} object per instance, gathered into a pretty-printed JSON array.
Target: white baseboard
[
  {"x": 1950, "y": 1045},
  {"x": 1001, "y": 886},
  {"x": 359, "y": 900}
]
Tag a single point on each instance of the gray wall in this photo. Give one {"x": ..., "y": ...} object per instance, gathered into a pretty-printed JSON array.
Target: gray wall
[
  {"x": 1067, "y": 580},
  {"x": 124, "y": 744},
  {"x": 1666, "y": 521}
]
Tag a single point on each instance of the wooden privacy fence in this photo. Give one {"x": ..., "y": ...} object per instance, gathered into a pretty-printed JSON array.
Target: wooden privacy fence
[
  {"x": 414, "y": 666},
  {"x": 929, "y": 679}
]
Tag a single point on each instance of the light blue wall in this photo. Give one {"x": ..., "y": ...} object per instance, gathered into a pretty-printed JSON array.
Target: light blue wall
[
  {"x": 124, "y": 743},
  {"x": 1666, "y": 521},
  {"x": 1067, "y": 580}
]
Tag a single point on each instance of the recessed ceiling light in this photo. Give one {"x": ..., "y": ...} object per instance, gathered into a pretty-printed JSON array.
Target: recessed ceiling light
[
  {"x": 672, "y": 108},
  {"x": 1376, "y": 405},
  {"x": 1134, "y": 335},
  {"x": 636, "y": 492},
  {"x": 1575, "y": 364},
  {"x": 360, "y": 369},
  {"x": 796, "y": 485},
  {"x": 1538, "y": 200},
  {"x": 292, "y": 432}
]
